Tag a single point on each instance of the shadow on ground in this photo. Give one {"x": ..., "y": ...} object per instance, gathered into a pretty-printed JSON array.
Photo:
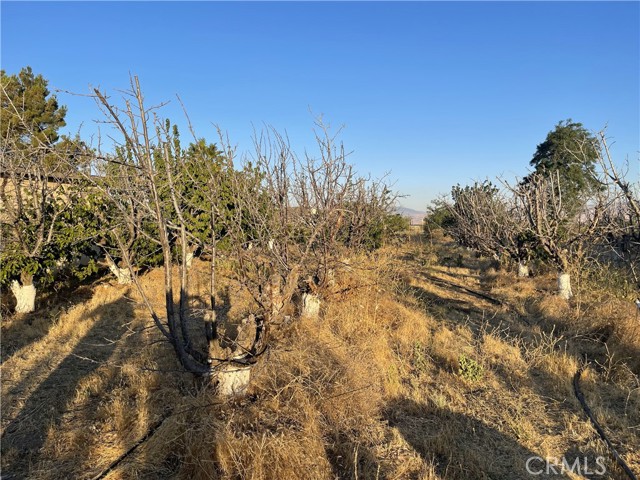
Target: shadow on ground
[
  {"x": 26, "y": 434},
  {"x": 21, "y": 330},
  {"x": 556, "y": 390},
  {"x": 460, "y": 447},
  {"x": 350, "y": 459}
]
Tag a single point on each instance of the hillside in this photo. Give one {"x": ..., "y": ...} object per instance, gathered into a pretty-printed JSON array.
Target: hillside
[
  {"x": 416, "y": 216},
  {"x": 427, "y": 363}
]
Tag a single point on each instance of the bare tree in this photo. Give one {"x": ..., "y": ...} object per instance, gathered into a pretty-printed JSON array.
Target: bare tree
[
  {"x": 32, "y": 201},
  {"x": 491, "y": 223},
  {"x": 563, "y": 232},
  {"x": 125, "y": 227},
  {"x": 296, "y": 218},
  {"x": 287, "y": 222},
  {"x": 150, "y": 180},
  {"x": 612, "y": 175},
  {"x": 625, "y": 243}
]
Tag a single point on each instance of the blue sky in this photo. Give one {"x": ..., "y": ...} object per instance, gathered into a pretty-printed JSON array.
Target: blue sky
[{"x": 435, "y": 92}]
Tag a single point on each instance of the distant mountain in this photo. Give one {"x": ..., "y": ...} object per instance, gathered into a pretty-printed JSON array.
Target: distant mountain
[{"x": 416, "y": 216}]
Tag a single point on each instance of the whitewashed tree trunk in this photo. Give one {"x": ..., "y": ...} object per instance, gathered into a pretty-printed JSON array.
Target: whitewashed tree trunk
[
  {"x": 122, "y": 274},
  {"x": 523, "y": 269},
  {"x": 564, "y": 286},
  {"x": 310, "y": 306},
  {"x": 25, "y": 297},
  {"x": 190, "y": 256},
  {"x": 233, "y": 380}
]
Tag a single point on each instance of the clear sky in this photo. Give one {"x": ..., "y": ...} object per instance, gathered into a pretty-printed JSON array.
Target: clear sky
[{"x": 435, "y": 92}]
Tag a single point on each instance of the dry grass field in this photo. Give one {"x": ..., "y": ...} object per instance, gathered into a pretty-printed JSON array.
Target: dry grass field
[{"x": 426, "y": 363}]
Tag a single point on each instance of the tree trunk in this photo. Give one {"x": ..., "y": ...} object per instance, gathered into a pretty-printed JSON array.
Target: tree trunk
[
  {"x": 275, "y": 294},
  {"x": 211, "y": 334},
  {"x": 190, "y": 256},
  {"x": 310, "y": 306},
  {"x": 564, "y": 286},
  {"x": 122, "y": 274},
  {"x": 523, "y": 269},
  {"x": 25, "y": 296},
  {"x": 233, "y": 380}
]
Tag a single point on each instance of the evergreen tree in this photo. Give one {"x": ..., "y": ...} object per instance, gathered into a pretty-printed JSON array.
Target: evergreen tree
[
  {"x": 29, "y": 112},
  {"x": 569, "y": 151}
]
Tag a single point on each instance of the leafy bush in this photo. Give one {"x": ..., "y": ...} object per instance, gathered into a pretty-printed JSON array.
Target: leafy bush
[
  {"x": 438, "y": 217},
  {"x": 470, "y": 369}
]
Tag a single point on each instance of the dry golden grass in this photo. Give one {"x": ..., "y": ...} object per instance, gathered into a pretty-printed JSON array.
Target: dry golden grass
[{"x": 373, "y": 389}]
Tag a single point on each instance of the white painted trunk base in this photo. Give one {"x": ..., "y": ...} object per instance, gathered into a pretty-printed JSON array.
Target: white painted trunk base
[
  {"x": 233, "y": 380},
  {"x": 310, "y": 306},
  {"x": 523, "y": 270},
  {"x": 25, "y": 297},
  {"x": 564, "y": 286},
  {"x": 122, "y": 274},
  {"x": 190, "y": 256}
]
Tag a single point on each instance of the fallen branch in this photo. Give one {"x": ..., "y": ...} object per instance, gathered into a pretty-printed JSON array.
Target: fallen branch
[
  {"x": 154, "y": 428},
  {"x": 119, "y": 460},
  {"x": 596, "y": 425}
]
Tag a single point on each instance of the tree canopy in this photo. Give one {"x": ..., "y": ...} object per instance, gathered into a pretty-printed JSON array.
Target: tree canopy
[
  {"x": 29, "y": 111},
  {"x": 571, "y": 151},
  {"x": 44, "y": 222}
]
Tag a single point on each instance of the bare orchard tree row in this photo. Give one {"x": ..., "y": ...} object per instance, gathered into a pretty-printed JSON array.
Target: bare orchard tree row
[
  {"x": 625, "y": 238},
  {"x": 490, "y": 222},
  {"x": 286, "y": 222},
  {"x": 563, "y": 232},
  {"x": 536, "y": 218},
  {"x": 295, "y": 218}
]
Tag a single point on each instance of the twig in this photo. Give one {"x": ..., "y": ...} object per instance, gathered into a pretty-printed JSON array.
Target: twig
[
  {"x": 119, "y": 460},
  {"x": 154, "y": 428},
  {"x": 349, "y": 391},
  {"x": 596, "y": 425}
]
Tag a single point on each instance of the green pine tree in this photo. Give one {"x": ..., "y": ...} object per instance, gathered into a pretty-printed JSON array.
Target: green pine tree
[
  {"x": 28, "y": 111},
  {"x": 569, "y": 151}
]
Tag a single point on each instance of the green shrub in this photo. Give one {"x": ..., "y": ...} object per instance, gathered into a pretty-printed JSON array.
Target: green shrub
[{"x": 470, "y": 369}]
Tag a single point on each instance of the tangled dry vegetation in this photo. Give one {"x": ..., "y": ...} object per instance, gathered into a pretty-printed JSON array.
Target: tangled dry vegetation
[{"x": 408, "y": 374}]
